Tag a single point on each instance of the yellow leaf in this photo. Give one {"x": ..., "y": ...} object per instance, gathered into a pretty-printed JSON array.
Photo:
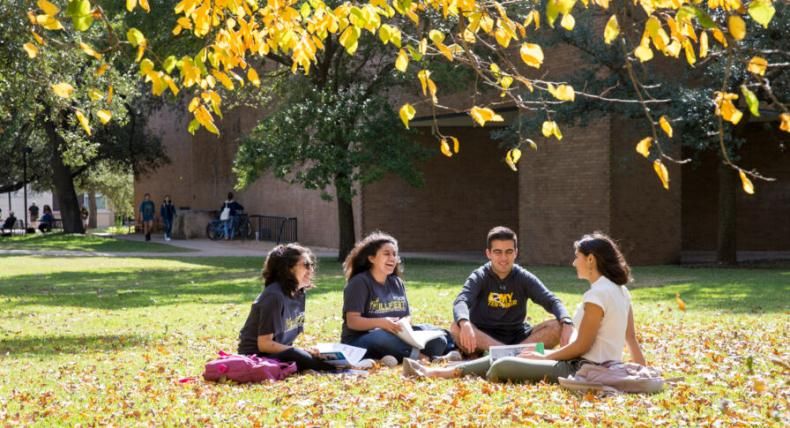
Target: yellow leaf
[
  {"x": 402, "y": 62},
  {"x": 223, "y": 78},
  {"x": 688, "y": 48},
  {"x": 104, "y": 116},
  {"x": 563, "y": 92},
  {"x": 737, "y": 27},
  {"x": 665, "y": 125},
  {"x": 89, "y": 50},
  {"x": 63, "y": 90},
  {"x": 748, "y": 187},
  {"x": 568, "y": 22},
  {"x": 612, "y": 30},
  {"x": 350, "y": 39},
  {"x": 109, "y": 94},
  {"x": 757, "y": 65},
  {"x": 38, "y": 38},
  {"x": 95, "y": 94},
  {"x": 512, "y": 157},
  {"x": 719, "y": 36},
  {"x": 643, "y": 52},
  {"x": 145, "y": 6},
  {"x": 83, "y": 122},
  {"x": 456, "y": 144},
  {"x": 784, "y": 124},
  {"x": 48, "y": 8},
  {"x": 550, "y": 128},
  {"x": 252, "y": 76},
  {"x": 484, "y": 114},
  {"x": 102, "y": 69},
  {"x": 49, "y": 22},
  {"x": 643, "y": 147},
  {"x": 424, "y": 76},
  {"x": 31, "y": 49},
  {"x": 531, "y": 54},
  {"x": 514, "y": 154},
  {"x": 662, "y": 172},
  {"x": 406, "y": 114},
  {"x": 726, "y": 109},
  {"x": 703, "y": 44},
  {"x": 131, "y": 4},
  {"x": 445, "y": 148},
  {"x": 680, "y": 302}
]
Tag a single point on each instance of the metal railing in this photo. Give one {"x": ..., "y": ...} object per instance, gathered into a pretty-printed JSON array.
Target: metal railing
[{"x": 274, "y": 228}]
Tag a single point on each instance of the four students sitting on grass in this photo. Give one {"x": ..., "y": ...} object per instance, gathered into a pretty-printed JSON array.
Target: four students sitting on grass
[{"x": 489, "y": 311}]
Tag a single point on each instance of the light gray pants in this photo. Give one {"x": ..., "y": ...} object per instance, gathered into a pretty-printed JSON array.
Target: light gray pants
[{"x": 519, "y": 369}]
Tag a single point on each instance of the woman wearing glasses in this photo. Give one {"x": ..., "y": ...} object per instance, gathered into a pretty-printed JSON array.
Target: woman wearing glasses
[
  {"x": 277, "y": 315},
  {"x": 374, "y": 300}
]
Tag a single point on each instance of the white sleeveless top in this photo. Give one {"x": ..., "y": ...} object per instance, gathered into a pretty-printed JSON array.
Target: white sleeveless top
[{"x": 615, "y": 300}]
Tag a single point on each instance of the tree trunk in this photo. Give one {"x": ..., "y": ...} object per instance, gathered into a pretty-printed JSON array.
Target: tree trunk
[
  {"x": 726, "y": 245},
  {"x": 345, "y": 217},
  {"x": 92, "y": 209},
  {"x": 63, "y": 183}
]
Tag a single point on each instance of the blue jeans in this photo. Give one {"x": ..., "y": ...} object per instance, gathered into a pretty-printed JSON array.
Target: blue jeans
[
  {"x": 380, "y": 342},
  {"x": 228, "y": 227},
  {"x": 168, "y": 226}
]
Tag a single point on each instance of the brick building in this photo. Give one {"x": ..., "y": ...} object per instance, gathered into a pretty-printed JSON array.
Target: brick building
[{"x": 591, "y": 180}]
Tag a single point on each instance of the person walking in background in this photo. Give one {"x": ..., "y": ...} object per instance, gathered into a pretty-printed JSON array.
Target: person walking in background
[
  {"x": 147, "y": 210},
  {"x": 229, "y": 214},
  {"x": 168, "y": 213}
]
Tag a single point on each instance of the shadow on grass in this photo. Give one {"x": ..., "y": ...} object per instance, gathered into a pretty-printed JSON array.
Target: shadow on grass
[
  {"x": 69, "y": 344},
  {"x": 59, "y": 241},
  {"x": 121, "y": 289}
]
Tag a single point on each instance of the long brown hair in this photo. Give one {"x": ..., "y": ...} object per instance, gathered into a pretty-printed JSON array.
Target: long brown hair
[
  {"x": 608, "y": 258},
  {"x": 358, "y": 259},
  {"x": 279, "y": 262}
]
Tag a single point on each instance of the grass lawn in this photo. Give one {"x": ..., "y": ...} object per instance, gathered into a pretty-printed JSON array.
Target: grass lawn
[
  {"x": 59, "y": 241},
  {"x": 104, "y": 341}
]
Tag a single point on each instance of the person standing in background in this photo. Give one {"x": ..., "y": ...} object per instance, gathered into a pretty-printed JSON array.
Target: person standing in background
[
  {"x": 147, "y": 210},
  {"x": 168, "y": 213}
]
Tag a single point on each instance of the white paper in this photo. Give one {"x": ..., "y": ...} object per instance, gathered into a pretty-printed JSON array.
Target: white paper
[
  {"x": 341, "y": 355},
  {"x": 497, "y": 352},
  {"x": 417, "y": 339}
]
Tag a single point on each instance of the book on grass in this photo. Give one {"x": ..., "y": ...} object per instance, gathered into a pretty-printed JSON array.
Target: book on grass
[
  {"x": 502, "y": 351},
  {"x": 340, "y": 355},
  {"x": 418, "y": 338}
]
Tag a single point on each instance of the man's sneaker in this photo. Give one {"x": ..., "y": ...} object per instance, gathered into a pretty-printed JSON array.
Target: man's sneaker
[
  {"x": 388, "y": 361},
  {"x": 452, "y": 356},
  {"x": 367, "y": 363}
]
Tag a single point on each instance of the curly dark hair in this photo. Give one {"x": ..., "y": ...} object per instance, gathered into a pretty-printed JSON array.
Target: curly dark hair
[
  {"x": 279, "y": 262},
  {"x": 358, "y": 259},
  {"x": 608, "y": 258}
]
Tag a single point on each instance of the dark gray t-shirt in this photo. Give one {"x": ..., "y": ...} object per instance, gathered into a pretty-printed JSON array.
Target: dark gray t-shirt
[
  {"x": 372, "y": 299},
  {"x": 273, "y": 312}
]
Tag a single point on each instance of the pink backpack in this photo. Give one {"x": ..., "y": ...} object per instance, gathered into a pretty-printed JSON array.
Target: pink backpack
[{"x": 247, "y": 368}]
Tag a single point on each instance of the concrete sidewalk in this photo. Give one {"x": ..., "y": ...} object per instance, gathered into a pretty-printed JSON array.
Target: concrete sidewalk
[{"x": 251, "y": 248}]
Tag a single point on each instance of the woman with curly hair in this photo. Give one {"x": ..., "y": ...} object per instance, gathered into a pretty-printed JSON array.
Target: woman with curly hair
[{"x": 374, "y": 301}]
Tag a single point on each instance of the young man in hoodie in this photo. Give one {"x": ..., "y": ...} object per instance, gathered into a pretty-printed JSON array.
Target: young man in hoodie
[{"x": 491, "y": 309}]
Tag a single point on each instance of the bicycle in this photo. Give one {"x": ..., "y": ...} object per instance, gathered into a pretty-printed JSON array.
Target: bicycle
[{"x": 242, "y": 228}]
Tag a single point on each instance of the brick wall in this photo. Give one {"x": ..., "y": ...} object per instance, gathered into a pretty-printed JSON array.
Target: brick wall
[
  {"x": 563, "y": 193},
  {"x": 462, "y": 198},
  {"x": 646, "y": 218},
  {"x": 762, "y": 218},
  {"x": 200, "y": 176}
]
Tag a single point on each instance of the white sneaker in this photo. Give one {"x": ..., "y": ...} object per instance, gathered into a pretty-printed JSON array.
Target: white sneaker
[
  {"x": 388, "y": 361},
  {"x": 367, "y": 363}
]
